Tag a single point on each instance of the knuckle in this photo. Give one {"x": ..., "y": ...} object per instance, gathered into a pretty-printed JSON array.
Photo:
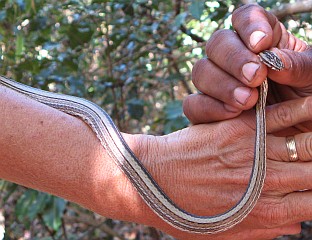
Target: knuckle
[
  {"x": 249, "y": 150},
  {"x": 290, "y": 209},
  {"x": 273, "y": 214},
  {"x": 273, "y": 180},
  {"x": 307, "y": 104},
  {"x": 250, "y": 7},
  {"x": 197, "y": 71},
  {"x": 283, "y": 115},
  {"x": 299, "y": 62},
  {"x": 190, "y": 107},
  {"x": 215, "y": 40},
  {"x": 277, "y": 181},
  {"x": 187, "y": 106},
  {"x": 306, "y": 151},
  {"x": 243, "y": 13}
]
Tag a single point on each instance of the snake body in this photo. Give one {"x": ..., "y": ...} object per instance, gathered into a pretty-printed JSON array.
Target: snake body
[{"x": 113, "y": 142}]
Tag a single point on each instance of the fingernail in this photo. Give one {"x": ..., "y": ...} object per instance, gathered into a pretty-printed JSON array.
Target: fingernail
[
  {"x": 242, "y": 94},
  {"x": 256, "y": 37},
  {"x": 249, "y": 70}
]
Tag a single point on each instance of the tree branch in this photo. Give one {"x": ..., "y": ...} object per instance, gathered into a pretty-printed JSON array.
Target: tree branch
[
  {"x": 193, "y": 36},
  {"x": 82, "y": 217},
  {"x": 280, "y": 12},
  {"x": 177, "y": 7},
  {"x": 292, "y": 8}
]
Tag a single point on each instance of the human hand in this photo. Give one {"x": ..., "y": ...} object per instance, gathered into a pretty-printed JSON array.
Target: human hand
[
  {"x": 68, "y": 160},
  {"x": 229, "y": 77},
  {"x": 205, "y": 170}
]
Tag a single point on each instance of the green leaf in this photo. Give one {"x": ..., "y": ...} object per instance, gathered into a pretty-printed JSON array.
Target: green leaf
[
  {"x": 37, "y": 206},
  {"x": 197, "y": 7},
  {"x": 53, "y": 214},
  {"x": 2, "y": 15},
  {"x": 173, "y": 110},
  {"x": 176, "y": 124},
  {"x": 19, "y": 45},
  {"x": 22, "y": 206},
  {"x": 30, "y": 6},
  {"x": 219, "y": 13},
  {"x": 9, "y": 189},
  {"x": 180, "y": 19},
  {"x": 136, "y": 108},
  {"x": 32, "y": 203},
  {"x": 175, "y": 119},
  {"x": 79, "y": 35}
]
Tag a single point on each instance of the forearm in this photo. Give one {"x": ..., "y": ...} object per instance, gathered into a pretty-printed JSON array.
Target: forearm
[
  {"x": 45, "y": 149},
  {"x": 48, "y": 150}
]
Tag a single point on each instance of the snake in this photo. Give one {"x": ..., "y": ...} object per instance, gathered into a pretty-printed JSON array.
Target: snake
[{"x": 115, "y": 145}]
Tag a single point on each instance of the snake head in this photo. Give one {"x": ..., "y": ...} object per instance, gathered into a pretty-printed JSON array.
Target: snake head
[{"x": 271, "y": 60}]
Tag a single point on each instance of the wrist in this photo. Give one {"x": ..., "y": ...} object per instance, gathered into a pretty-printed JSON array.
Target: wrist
[
  {"x": 152, "y": 152},
  {"x": 126, "y": 203}
]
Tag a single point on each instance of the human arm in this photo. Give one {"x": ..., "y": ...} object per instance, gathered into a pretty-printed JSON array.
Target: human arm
[
  {"x": 47, "y": 150},
  {"x": 232, "y": 59}
]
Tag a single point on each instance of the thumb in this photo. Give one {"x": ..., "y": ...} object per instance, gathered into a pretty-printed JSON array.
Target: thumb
[{"x": 297, "y": 70}]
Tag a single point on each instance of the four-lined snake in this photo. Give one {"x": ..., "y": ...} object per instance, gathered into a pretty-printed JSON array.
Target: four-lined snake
[{"x": 111, "y": 139}]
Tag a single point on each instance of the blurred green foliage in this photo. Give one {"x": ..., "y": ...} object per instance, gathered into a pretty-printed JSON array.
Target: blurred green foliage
[{"x": 133, "y": 58}]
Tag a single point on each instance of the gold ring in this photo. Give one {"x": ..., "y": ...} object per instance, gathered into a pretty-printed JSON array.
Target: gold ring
[{"x": 291, "y": 149}]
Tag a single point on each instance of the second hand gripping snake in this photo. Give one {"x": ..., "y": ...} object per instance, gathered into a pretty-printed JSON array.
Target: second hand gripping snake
[{"x": 113, "y": 142}]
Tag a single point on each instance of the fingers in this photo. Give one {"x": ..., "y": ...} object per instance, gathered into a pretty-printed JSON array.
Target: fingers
[
  {"x": 214, "y": 82},
  {"x": 222, "y": 78},
  {"x": 299, "y": 206},
  {"x": 261, "y": 30},
  {"x": 288, "y": 177},
  {"x": 285, "y": 178},
  {"x": 286, "y": 210},
  {"x": 233, "y": 68},
  {"x": 243, "y": 233},
  {"x": 258, "y": 29},
  {"x": 279, "y": 151},
  {"x": 295, "y": 73},
  {"x": 262, "y": 234},
  {"x": 304, "y": 146},
  {"x": 286, "y": 114},
  {"x": 228, "y": 52},
  {"x": 290, "y": 42},
  {"x": 200, "y": 108},
  {"x": 284, "y": 200}
]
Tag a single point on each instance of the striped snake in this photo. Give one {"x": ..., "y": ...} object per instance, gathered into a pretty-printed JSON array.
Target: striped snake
[{"x": 113, "y": 142}]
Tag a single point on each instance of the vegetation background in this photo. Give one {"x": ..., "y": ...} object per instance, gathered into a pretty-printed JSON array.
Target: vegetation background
[{"x": 132, "y": 57}]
